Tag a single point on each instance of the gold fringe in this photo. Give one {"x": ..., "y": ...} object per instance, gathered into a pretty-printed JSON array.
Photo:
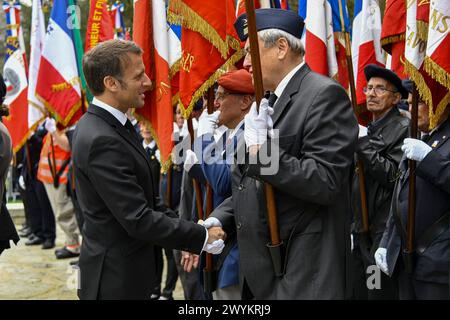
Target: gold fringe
[
  {"x": 27, "y": 135},
  {"x": 437, "y": 72},
  {"x": 175, "y": 99},
  {"x": 165, "y": 163},
  {"x": 434, "y": 117},
  {"x": 422, "y": 30},
  {"x": 58, "y": 118},
  {"x": 182, "y": 14},
  {"x": 392, "y": 39},
  {"x": 186, "y": 112},
  {"x": 174, "y": 68},
  {"x": 421, "y": 85}
]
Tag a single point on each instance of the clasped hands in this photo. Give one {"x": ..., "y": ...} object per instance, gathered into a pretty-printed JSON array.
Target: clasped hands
[{"x": 214, "y": 244}]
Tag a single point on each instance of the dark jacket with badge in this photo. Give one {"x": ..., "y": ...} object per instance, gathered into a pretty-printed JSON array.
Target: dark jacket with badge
[
  {"x": 317, "y": 139},
  {"x": 432, "y": 232},
  {"x": 380, "y": 152}
]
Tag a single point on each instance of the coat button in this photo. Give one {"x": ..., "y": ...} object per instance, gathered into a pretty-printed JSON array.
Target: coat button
[
  {"x": 239, "y": 225},
  {"x": 241, "y": 187}
]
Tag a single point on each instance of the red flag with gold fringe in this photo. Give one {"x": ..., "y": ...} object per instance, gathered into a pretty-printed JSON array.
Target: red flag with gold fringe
[
  {"x": 100, "y": 27},
  {"x": 209, "y": 45}
]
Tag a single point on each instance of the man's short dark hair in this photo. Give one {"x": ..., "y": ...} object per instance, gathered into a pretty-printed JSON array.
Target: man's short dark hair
[
  {"x": 2, "y": 89},
  {"x": 108, "y": 58}
]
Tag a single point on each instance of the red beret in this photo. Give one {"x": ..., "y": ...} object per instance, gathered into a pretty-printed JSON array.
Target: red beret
[{"x": 237, "y": 81}]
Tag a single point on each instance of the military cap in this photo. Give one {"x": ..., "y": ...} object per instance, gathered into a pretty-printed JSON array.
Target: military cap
[
  {"x": 198, "y": 105},
  {"x": 408, "y": 85},
  {"x": 237, "y": 81},
  {"x": 373, "y": 70},
  {"x": 285, "y": 20}
]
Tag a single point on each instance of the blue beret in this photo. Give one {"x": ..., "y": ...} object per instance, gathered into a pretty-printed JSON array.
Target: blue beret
[
  {"x": 373, "y": 70},
  {"x": 285, "y": 20},
  {"x": 408, "y": 85},
  {"x": 2, "y": 89},
  {"x": 198, "y": 105}
]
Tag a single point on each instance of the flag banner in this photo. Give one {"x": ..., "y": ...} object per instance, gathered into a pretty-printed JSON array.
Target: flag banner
[
  {"x": 366, "y": 44},
  {"x": 116, "y": 12},
  {"x": 160, "y": 52},
  {"x": 99, "y": 27},
  {"x": 435, "y": 95},
  {"x": 341, "y": 26},
  {"x": 36, "y": 109},
  {"x": 319, "y": 37},
  {"x": 174, "y": 61},
  {"x": 240, "y": 6},
  {"x": 59, "y": 84},
  {"x": 437, "y": 61},
  {"x": 209, "y": 45},
  {"x": 393, "y": 34},
  {"x": 15, "y": 76},
  {"x": 279, "y": 4}
]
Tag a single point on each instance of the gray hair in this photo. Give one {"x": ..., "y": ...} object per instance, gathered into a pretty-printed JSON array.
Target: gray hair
[{"x": 270, "y": 37}]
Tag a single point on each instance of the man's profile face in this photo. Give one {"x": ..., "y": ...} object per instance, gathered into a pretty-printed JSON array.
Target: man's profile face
[
  {"x": 229, "y": 106},
  {"x": 134, "y": 83},
  {"x": 423, "y": 118}
]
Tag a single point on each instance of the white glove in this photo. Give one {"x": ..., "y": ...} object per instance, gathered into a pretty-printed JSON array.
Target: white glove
[
  {"x": 380, "y": 259},
  {"x": 207, "y": 123},
  {"x": 22, "y": 183},
  {"x": 212, "y": 222},
  {"x": 215, "y": 248},
  {"x": 415, "y": 149},
  {"x": 258, "y": 125},
  {"x": 190, "y": 161},
  {"x": 362, "y": 131},
  {"x": 50, "y": 125}
]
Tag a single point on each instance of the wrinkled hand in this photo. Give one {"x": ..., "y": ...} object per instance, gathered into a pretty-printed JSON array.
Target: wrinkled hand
[
  {"x": 207, "y": 123},
  {"x": 362, "y": 131},
  {"x": 380, "y": 259},
  {"x": 50, "y": 125},
  {"x": 258, "y": 125},
  {"x": 190, "y": 161},
  {"x": 189, "y": 261},
  {"x": 415, "y": 149}
]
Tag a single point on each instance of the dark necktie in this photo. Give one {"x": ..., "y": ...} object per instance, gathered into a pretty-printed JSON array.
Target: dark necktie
[
  {"x": 148, "y": 151},
  {"x": 131, "y": 130},
  {"x": 272, "y": 99}
]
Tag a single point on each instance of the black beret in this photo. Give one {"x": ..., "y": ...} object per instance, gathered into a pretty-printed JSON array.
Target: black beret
[
  {"x": 373, "y": 70},
  {"x": 2, "y": 89},
  {"x": 408, "y": 85},
  {"x": 285, "y": 20}
]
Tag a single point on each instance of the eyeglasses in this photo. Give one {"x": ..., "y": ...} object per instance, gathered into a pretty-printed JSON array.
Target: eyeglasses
[{"x": 379, "y": 91}]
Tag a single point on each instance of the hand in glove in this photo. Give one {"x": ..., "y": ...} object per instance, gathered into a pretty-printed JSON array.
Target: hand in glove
[
  {"x": 190, "y": 161},
  {"x": 50, "y": 125},
  {"x": 207, "y": 123},
  {"x": 380, "y": 259},
  {"x": 22, "y": 183},
  {"x": 215, "y": 248},
  {"x": 362, "y": 131},
  {"x": 415, "y": 149},
  {"x": 212, "y": 222},
  {"x": 258, "y": 125}
]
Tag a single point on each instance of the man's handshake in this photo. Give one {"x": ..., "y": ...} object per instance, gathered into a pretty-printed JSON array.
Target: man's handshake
[{"x": 216, "y": 236}]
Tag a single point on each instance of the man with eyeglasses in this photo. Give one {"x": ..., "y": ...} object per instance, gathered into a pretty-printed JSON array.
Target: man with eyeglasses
[{"x": 379, "y": 149}]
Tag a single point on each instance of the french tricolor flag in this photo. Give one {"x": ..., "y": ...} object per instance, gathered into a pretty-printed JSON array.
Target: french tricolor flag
[
  {"x": 58, "y": 85},
  {"x": 366, "y": 45},
  {"x": 319, "y": 36}
]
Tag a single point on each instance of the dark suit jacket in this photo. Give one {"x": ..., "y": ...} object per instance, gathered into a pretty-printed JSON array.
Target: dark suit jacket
[
  {"x": 122, "y": 218},
  {"x": 317, "y": 139},
  {"x": 432, "y": 201}
]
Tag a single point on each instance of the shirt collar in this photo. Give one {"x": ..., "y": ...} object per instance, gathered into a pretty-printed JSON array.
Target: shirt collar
[
  {"x": 150, "y": 145},
  {"x": 119, "y": 115},
  {"x": 283, "y": 83},
  {"x": 236, "y": 130}
]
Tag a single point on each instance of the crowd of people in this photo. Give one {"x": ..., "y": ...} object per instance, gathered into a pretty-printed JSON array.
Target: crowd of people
[{"x": 102, "y": 179}]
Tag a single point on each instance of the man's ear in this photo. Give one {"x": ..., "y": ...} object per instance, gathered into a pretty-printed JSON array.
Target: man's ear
[
  {"x": 283, "y": 48},
  {"x": 247, "y": 101},
  {"x": 398, "y": 98},
  {"x": 111, "y": 83}
]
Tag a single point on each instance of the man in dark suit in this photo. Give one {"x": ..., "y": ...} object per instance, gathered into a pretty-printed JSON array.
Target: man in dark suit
[
  {"x": 427, "y": 275},
  {"x": 123, "y": 219},
  {"x": 317, "y": 138}
]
